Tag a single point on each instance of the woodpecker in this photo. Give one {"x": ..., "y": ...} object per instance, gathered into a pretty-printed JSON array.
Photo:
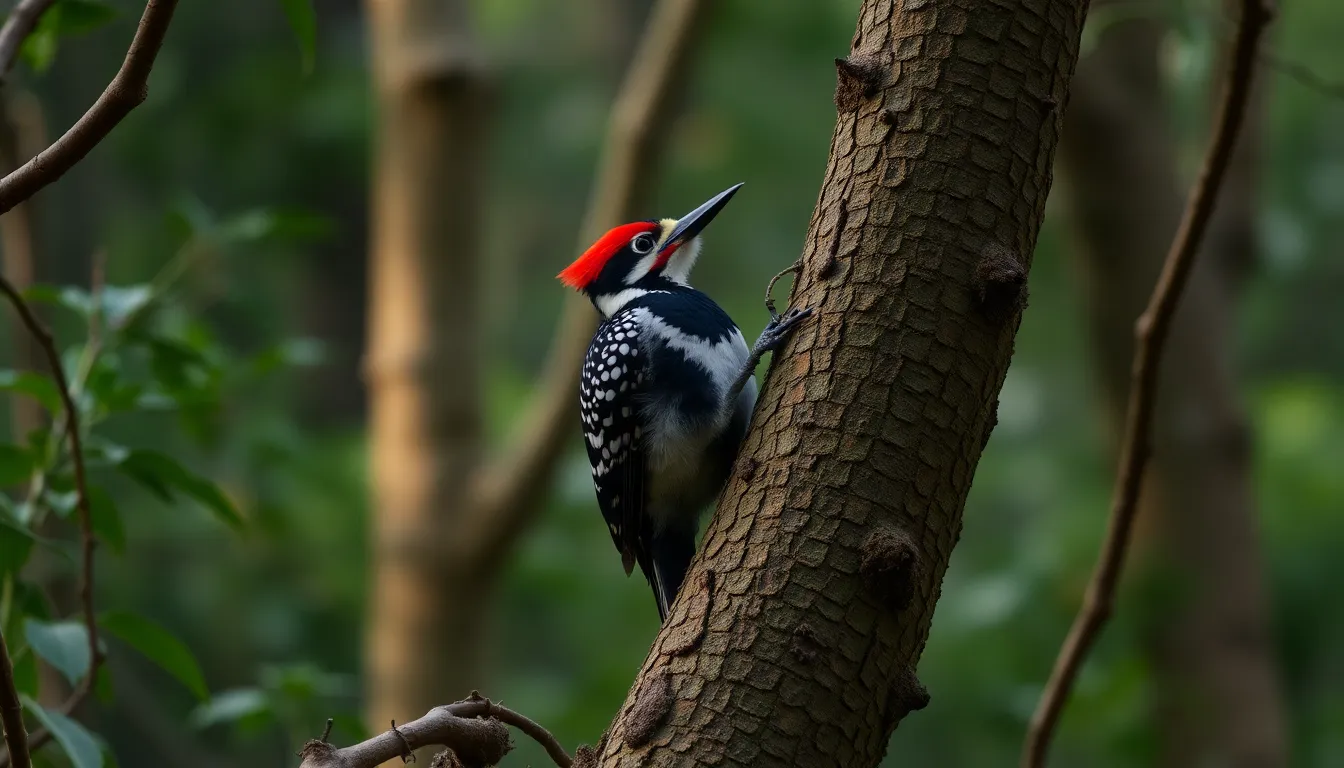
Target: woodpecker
[{"x": 666, "y": 392}]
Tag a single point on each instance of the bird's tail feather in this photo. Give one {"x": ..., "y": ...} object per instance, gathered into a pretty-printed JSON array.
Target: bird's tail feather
[{"x": 671, "y": 553}]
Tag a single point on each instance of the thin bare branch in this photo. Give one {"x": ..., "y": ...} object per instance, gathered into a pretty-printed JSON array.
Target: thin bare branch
[
  {"x": 528, "y": 726},
  {"x": 1303, "y": 75},
  {"x": 509, "y": 489},
  {"x": 11, "y": 712},
  {"x": 87, "y": 540},
  {"x": 1151, "y": 335},
  {"x": 18, "y": 26},
  {"x": 473, "y": 728},
  {"x": 126, "y": 91}
]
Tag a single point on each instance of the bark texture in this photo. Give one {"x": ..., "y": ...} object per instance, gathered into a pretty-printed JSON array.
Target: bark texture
[
  {"x": 1218, "y": 696},
  {"x": 21, "y": 137},
  {"x": 422, "y": 361},
  {"x": 796, "y": 636}
]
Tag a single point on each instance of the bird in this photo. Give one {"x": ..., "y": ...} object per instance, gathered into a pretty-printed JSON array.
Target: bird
[{"x": 666, "y": 391}]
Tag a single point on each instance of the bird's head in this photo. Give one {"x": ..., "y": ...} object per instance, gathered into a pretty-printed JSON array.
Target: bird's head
[{"x": 633, "y": 259}]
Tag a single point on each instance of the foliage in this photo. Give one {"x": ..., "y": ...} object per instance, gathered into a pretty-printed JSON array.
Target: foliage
[{"x": 141, "y": 356}]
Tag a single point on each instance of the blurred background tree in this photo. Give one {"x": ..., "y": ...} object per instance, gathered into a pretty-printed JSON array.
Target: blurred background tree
[{"x": 261, "y": 157}]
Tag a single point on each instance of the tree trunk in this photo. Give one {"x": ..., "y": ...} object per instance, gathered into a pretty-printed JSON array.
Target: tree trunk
[
  {"x": 422, "y": 361},
  {"x": 796, "y": 637},
  {"x": 1218, "y": 697},
  {"x": 21, "y": 137}
]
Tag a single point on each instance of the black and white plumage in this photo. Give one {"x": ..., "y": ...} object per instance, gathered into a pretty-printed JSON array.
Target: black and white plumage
[{"x": 666, "y": 391}]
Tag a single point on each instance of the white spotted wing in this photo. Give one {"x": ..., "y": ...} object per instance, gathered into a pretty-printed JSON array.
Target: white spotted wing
[{"x": 613, "y": 372}]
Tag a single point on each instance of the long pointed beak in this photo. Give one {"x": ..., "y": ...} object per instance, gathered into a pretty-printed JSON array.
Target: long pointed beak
[{"x": 689, "y": 226}]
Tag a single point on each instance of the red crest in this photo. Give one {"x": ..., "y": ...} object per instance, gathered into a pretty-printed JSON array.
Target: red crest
[{"x": 587, "y": 267}]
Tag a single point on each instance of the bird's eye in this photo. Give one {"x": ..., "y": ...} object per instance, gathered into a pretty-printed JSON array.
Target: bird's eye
[{"x": 643, "y": 243}]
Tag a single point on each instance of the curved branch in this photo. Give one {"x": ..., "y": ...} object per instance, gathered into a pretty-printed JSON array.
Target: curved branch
[
  {"x": 126, "y": 91},
  {"x": 509, "y": 490},
  {"x": 19, "y": 24},
  {"x": 473, "y": 728},
  {"x": 1151, "y": 336},
  {"x": 87, "y": 541},
  {"x": 525, "y": 724}
]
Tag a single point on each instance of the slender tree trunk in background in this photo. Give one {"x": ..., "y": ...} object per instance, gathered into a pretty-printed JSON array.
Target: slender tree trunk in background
[
  {"x": 796, "y": 637},
  {"x": 1218, "y": 698},
  {"x": 424, "y": 638},
  {"x": 21, "y": 137}
]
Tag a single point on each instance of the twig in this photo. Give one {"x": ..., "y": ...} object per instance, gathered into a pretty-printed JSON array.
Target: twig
[
  {"x": 524, "y": 724},
  {"x": 473, "y": 728},
  {"x": 508, "y": 491},
  {"x": 770, "y": 287},
  {"x": 1303, "y": 75},
  {"x": 18, "y": 26},
  {"x": 11, "y": 711},
  {"x": 1151, "y": 335},
  {"x": 48, "y": 345},
  {"x": 407, "y": 753},
  {"x": 126, "y": 91}
]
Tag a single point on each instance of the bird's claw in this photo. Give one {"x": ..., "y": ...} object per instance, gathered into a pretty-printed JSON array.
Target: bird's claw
[{"x": 781, "y": 327}]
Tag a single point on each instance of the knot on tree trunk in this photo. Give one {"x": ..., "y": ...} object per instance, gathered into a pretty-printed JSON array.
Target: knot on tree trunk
[
  {"x": 909, "y": 695},
  {"x": 858, "y": 78},
  {"x": 1000, "y": 280},
  {"x": 653, "y": 703},
  {"x": 890, "y": 567},
  {"x": 806, "y": 646},
  {"x": 585, "y": 757},
  {"x": 316, "y": 752}
]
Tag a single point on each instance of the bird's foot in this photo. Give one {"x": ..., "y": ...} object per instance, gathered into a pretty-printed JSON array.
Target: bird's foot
[{"x": 780, "y": 328}]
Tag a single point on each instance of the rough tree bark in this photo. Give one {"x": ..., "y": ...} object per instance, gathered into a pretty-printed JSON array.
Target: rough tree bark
[
  {"x": 796, "y": 638},
  {"x": 422, "y": 360},
  {"x": 1218, "y": 698}
]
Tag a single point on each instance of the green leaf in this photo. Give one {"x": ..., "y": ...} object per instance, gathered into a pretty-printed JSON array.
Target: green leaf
[
  {"x": 76, "y": 300},
  {"x": 80, "y": 745},
  {"x": 16, "y": 545},
  {"x": 122, "y": 301},
  {"x": 162, "y": 474},
  {"x": 39, "y": 49},
  {"x": 35, "y": 385},
  {"x": 177, "y": 367},
  {"x": 61, "y": 502},
  {"x": 304, "y": 23},
  {"x": 100, "y": 450},
  {"x": 12, "y": 529},
  {"x": 159, "y": 646},
  {"x": 102, "y": 685},
  {"x": 64, "y": 644},
  {"x": 64, "y": 19},
  {"x": 298, "y": 352},
  {"x": 26, "y": 680},
  {"x": 106, "y": 519},
  {"x": 231, "y": 706},
  {"x": 265, "y": 224},
  {"x": 16, "y": 464},
  {"x": 109, "y": 387}
]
